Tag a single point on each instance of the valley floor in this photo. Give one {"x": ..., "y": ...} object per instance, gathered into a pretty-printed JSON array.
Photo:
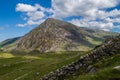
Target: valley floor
[{"x": 32, "y": 67}]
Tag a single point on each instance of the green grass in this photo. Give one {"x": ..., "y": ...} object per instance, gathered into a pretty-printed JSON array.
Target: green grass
[
  {"x": 95, "y": 42},
  {"x": 32, "y": 67},
  {"x": 105, "y": 70}
]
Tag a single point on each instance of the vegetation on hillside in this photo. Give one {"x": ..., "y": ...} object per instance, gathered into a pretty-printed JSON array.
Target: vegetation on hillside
[{"x": 32, "y": 67}]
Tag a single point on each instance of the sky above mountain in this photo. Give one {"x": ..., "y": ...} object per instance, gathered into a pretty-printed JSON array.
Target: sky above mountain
[{"x": 17, "y": 17}]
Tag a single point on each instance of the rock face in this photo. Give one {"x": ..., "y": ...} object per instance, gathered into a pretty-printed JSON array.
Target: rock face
[
  {"x": 111, "y": 47},
  {"x": 56, "y": 35},
  {"x": 52, "y": 35}
]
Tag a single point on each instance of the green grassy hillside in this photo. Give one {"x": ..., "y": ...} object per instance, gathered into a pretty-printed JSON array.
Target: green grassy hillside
[
  {"x": 32, "y": 67},
  {"x": 8, "y": 41},
  {"x": 8, "y": 44}
]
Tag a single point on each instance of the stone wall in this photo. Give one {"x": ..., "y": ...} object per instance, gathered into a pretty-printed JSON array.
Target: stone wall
[{"x": 108, "y": 48}]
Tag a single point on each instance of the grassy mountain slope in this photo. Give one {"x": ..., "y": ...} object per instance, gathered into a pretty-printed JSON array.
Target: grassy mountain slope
[
  {"x": 32, "y": 67},
  {"x": 8, "y": 41},
  {"x": 9, "y": 44},
  {"x": 97, "y": 36}
]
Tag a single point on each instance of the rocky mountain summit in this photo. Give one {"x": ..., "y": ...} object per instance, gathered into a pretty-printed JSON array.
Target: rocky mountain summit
[
  {"x": 57, "y": 35},
  {"x": 52, "y": 35},
  {"x": 110, "y": 47}
]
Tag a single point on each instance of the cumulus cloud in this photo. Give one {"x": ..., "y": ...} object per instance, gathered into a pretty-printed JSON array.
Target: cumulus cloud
[
  {"x": 86, "y": 8},
  {"x": 25, "y": 7},
  {"x": 93, "y": 12},
  {"x": 34, "y": 15},
  {"x": 93, "y": 24},
  {"x": 30, "y": 22},
  {"x": 105, "y": 21}
]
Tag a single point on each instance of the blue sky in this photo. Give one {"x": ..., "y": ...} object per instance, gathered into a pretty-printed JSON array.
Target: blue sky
[
  {"x": 18, "y": 17},
  {"x": 9, "y": 18}
]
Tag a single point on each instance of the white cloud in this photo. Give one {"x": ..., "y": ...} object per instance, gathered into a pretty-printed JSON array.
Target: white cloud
[
  {"x": 90, "y": 10},
  {"x": 86, "y": 8},
  {"x": 30, "y": 22},
  {"x": 25, "y": 7},
  {"x": 21, "y": 25},
  {"x": 34, "y": 15},
  {"x": 93, "y": 12},
  {"x": 93, "y": 24}
]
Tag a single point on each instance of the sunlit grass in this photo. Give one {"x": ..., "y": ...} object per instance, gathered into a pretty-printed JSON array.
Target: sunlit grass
[
  {"x": 31, "y": 57},
  {"x": 6, "y": 55},
  {"x": 10, "y": 55},
  {"x": 32, "y": 67}
]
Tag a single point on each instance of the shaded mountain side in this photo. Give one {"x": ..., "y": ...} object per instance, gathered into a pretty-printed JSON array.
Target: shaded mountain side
[
  {"x": 85, "y": 63},
  {"x": 8, "y": 41},
  {"x": 99, "y": 35},
  {"x": 9, "y": 44}
]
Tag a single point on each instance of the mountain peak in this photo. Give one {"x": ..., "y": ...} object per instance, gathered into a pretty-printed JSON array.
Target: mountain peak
[
  {"x": 54, "y": 20},
  {"x": 56, "y": 35},
  {"x": 50, "y": 19},
  {"x": 53, "y": 23}
]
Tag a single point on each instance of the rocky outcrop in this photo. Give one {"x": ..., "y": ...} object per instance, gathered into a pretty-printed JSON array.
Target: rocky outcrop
[{"x": 110, "y": 47}]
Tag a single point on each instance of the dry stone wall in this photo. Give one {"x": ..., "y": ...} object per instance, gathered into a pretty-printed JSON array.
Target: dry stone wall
[{"x": 110, "y": 47}]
